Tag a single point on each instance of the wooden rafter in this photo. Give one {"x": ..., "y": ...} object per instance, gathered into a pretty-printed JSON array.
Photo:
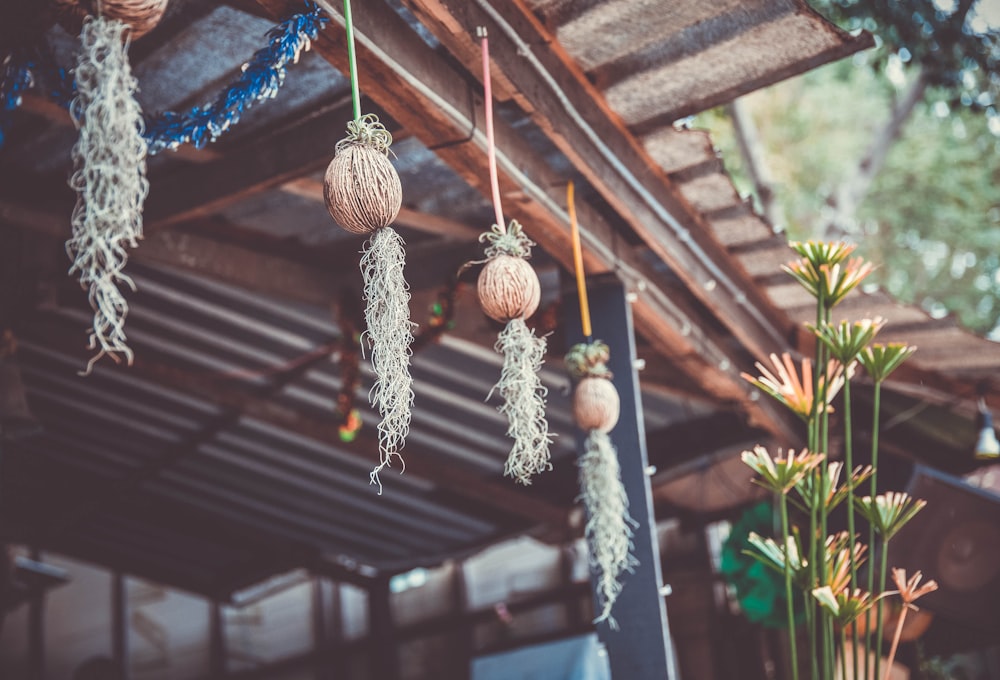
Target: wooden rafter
[
  {"x": 413, "y": 219},
  {"x": 424, "y": 93},
  {"x": 576, "y": 117},
  {"x": 252, "y": 167}
]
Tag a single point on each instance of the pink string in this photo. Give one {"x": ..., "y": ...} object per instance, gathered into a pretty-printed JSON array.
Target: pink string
[{"x": 491, "y": 150}]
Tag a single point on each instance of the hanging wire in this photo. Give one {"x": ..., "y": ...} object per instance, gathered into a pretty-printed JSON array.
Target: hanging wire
[
  {"x": 581, "y": 280},
  {"x": 352, "y": 61},
  {"x": 491, "y": 149}
]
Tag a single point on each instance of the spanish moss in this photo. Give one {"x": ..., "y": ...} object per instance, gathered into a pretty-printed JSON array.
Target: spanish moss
[
  {"x": 609, "y": 526},
  {"x": 110, "y": 179},
  {"x": 523, "y": 401},
  {"x": 389, "y": 335}
]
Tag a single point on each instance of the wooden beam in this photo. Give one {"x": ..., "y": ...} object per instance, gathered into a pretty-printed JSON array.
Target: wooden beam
[
  {"x": 48, "y": 110},
  {"x": 423, "y": 92},
  {"x": 576, "y": 118},
  {"x": 181, "y": 194},
  {"x": 312, "y": 189}
]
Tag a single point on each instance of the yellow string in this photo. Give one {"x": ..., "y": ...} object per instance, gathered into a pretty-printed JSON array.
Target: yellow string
[{"x": 581, "y": 283}]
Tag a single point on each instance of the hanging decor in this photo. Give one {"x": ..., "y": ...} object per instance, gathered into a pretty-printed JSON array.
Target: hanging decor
[
  {"x": 109, "y": 175},
  {"x": 260, "y": 79},
  {"x": 349, "y": 319},
  {"x": 596, "y": 407},
  {"x": 15, "y": 79},
  {"x": 364, "y": 195},
  {"x": 509, "y": 292},
  {"x": 141, "y": 16}
]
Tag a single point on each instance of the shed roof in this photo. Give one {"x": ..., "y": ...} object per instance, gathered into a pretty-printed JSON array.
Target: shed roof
[{"x": 216, "y": 459}]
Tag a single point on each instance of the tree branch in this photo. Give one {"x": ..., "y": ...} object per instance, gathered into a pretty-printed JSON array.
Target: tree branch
[
  {"x": 845, "y": 201},
  {"x": 852, "y": 192},
  {"x": 752, "y": 154}
]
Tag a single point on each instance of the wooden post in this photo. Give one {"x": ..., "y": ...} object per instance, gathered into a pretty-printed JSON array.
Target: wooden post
[
  {"x": 36, "y": 629},
  {"x": 465, "y": 639},
  {"x": 320, "y": 639},
  {"x": 119, "y": 624},
  {"x": 337, "y": 667},
  {"x": 217, "y": 641},
  {"x": 382, "y": 638},
  {"x": 641, "y": 649}
]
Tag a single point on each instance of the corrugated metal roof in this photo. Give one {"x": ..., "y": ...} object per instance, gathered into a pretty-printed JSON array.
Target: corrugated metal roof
[{"x": 216, "y": 460}]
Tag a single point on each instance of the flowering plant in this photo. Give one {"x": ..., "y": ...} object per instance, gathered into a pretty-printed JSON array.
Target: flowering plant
[{"x": 823, "y": 569}]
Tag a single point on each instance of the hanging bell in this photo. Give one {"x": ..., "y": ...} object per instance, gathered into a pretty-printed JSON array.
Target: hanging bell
[
  {"x": 16, "y": 420},
  {"x": 987, "y": 445}
]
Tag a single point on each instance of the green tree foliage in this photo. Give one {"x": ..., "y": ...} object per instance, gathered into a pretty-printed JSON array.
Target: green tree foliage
[
  {"x": 949, "y": 39},
  {"x": 932, "y": 212}
]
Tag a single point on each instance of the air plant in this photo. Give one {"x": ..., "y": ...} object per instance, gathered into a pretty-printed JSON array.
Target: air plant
[
  {"x": 825, "y": 568},
  {"x": 109, "y": 160},
  {"x": 363, "y": 195},
  {"x": 509, "y": 292},
  {"x": 596, "y": 407}
]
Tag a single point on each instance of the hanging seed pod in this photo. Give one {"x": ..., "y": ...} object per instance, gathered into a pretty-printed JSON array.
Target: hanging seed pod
[
  {"x": 141, "y": 15},
  {"x": 508, "y": 288},
  {"x": 363, "y": 195},
  {"x": 362, "y": 188},
  {"x": 596, "y": 404},
  {"x": 609, "y": 527},
  {"x": 509, "y": 292}
]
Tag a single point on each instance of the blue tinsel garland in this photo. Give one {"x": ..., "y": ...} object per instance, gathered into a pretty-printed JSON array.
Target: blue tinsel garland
[
  {"x": 16, "y": 79},
  {"x": 260, "y": 79}
]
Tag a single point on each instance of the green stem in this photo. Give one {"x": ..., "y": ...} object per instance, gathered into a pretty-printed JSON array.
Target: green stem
[
  {"x": 783, "y": 503},
  {"x": 810, "y": 600},
  {"x": 826, "y": 629},
  {"x": 828, "y": 659},
  {"x": 881, "y": 589},
  {"x": 843, "y": 654},
  {"x": 810, "y": 629},
  {"x": 871, "y": 527},
  {"x": 813, "y": 612},
  {"x": 352, "y": 61},
  {"x": 849, "y": 464}
]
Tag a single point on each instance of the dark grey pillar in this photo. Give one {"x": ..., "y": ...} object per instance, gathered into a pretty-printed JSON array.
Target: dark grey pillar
[
  {"x": 382, "y": 637},
  {"x": 217, "y": 642},
  {"x": 119, "y": 624},
  {"x": 641, "y": 649},
  {"x": 36, "y": 629},
  {"x": 320, "y": 635}
]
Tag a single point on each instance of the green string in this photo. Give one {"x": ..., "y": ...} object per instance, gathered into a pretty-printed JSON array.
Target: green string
[{"x": 351, "y": 60}]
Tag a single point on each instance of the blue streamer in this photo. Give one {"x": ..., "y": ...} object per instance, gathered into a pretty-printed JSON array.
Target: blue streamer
[
  {"x": 260, "y": 79},
  {"x": 16, "y": 78}
]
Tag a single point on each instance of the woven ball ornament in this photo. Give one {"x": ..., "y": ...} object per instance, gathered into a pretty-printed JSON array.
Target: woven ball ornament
[
  {"x": 508, "y": 288},
  {"x": 362, "y": 189},
  {"x": 141, "y": 15},
  {"x": 596, "y": 405}
]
